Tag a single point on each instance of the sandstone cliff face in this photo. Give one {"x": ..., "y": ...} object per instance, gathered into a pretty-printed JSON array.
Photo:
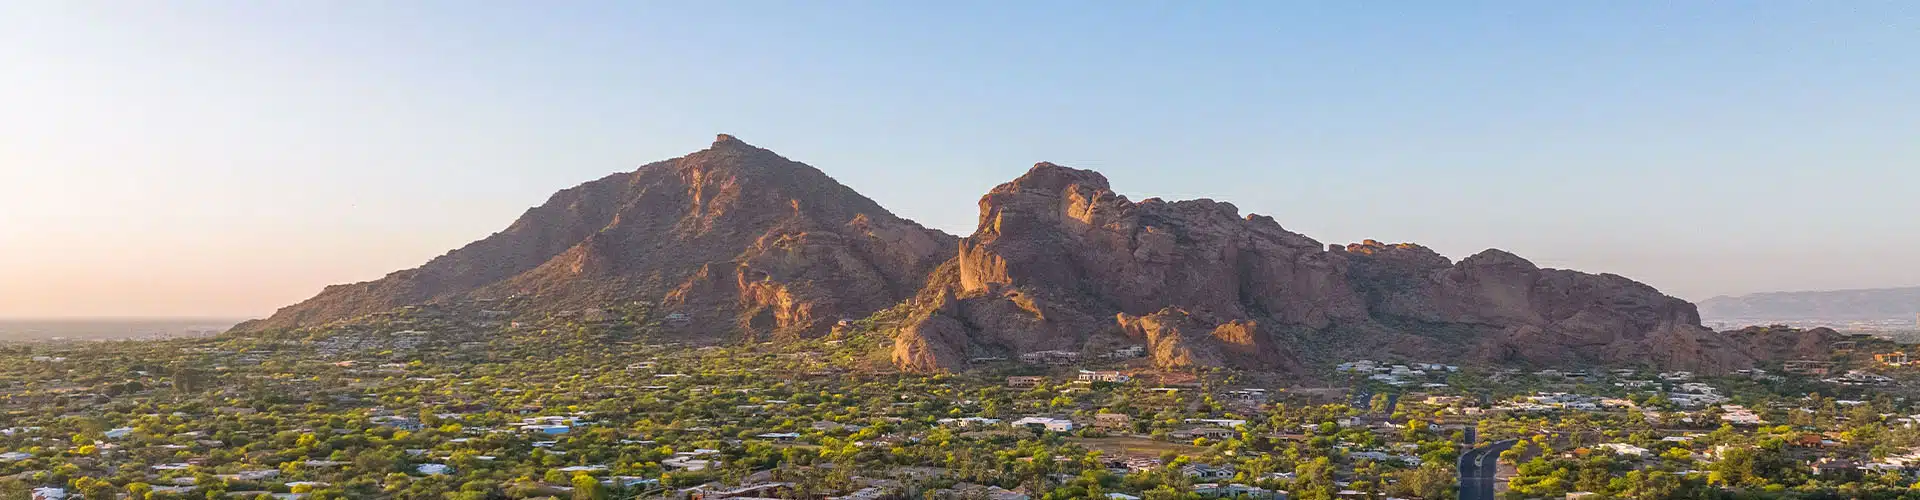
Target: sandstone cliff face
[
  {"x": 737, "y": 237},
  {"x": 1059, "y": 260},
  {"x": 1541, "y": 316}
]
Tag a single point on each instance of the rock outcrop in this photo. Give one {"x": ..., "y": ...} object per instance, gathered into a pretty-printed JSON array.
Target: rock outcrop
[
  {"x": 1783, "y": 343},
  {"x": 1059, "y": 259},
  {"x": 737, "y": 238},
  {"x": 1520, "y": 312},
  {"x": 1060, "y": 262}
]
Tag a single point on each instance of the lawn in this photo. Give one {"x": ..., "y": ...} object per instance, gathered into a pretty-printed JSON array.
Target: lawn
[{"x": 1133, "y": 446}]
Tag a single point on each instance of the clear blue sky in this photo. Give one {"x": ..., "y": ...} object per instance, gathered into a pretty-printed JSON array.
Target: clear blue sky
[{"x": 225, "y": 158}]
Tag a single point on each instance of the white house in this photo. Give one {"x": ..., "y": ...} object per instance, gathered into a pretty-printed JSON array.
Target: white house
[
  {"x": 1103, "y": 376},
  {"x": 1625, "y": 449},
  {"x": 1051, "y": 424}
]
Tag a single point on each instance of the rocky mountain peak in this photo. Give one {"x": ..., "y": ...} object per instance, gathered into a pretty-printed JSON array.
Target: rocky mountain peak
[
  {"x": 1048, "y": 177},
  {"x": 1494, "y": 257},
  {"x": 742, "y": 241}
]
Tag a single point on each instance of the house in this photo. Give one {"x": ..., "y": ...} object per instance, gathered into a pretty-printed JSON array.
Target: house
[
  {"x": 1103, "y": 376},
  {"x": 1236, "y": 491},
  {"x": 969, "y": 490},
  {"x": 49, "y": 493},
  {"x": 828, "y": 426},
  {"x": 1050, "y": 357},
  {"x": 1128, "y": 352},
  {"x": 249, "y": 475},
  {"x": 1222, "y": 422},
  {"x": 548, "y": 429},
  {"x": 1834, "y": 466},
  {"x": 1113, "y": 421},
  {"x": 1207, "y": 472},
  {"x": 1025, "y": 382},
  {"x": 433, "y": 469},
  {"x": 1808, "y": 367},
  {"x": 1624, "y": 449},
  {"x": 1896, "y": 358},
  {"x": 968, "y": 421},
  {"x": 1046, "y": 423},
  {"x": 630, "y": 481},
  {"x": 1141, "y": 463},
  {"x": 867, "y": 493},
  {"x": 1740, "y": 415},
  {"x": 1857, "y": 377},
  {"x": 757, "y": 490},
  {"x": 678, "y": 319},
  {"x": 1248, "y": 395},
  {"x": 686, "y": 462},
  {"x": 1204, "y": 432},
  {"x": 397, "y": 422},
  {"x": 779, "y": 436},
  {"x": 1361, "y": 366}
]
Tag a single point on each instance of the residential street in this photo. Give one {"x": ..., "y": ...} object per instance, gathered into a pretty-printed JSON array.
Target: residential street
[{"x": 1477, "y": 469}]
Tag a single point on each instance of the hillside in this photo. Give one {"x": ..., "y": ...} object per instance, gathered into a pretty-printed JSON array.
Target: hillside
[
  {"x": 1833, "y": 305},
  {"x": 740, "y": 240}
]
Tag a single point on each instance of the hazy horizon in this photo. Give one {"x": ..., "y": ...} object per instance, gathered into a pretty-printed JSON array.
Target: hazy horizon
[{"x": 224, "y": 159}]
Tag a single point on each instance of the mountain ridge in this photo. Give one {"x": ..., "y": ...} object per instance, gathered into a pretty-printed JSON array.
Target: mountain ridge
[
  {"x": 1845, "y": 304},
  {"x": 1060, "y": 261},
  {"x": 742, "y": 243}
]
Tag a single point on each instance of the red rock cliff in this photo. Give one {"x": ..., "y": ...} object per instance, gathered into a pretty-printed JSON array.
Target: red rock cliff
[{"x": 1061, "y": 262}]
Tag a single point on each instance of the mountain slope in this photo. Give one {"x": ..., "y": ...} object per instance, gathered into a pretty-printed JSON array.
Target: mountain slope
[
  {"x": 736, "y": 237},
  {"x": 1060, "y": 262},
  {"x": 1868, "y": 304}
]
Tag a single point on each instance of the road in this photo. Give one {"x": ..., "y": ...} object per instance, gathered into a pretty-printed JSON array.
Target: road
[
  {"x": 1363, "y": 399},
  {"x": 1477, "y": 468}
]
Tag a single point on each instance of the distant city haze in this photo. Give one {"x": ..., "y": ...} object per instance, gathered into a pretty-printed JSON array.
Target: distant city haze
[{"x": 223, "y": 159}]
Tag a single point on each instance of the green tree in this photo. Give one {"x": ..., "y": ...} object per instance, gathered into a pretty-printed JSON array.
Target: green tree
[
  {"x": 585, "y": 487},
  {"x": 1313, "y": 480}
]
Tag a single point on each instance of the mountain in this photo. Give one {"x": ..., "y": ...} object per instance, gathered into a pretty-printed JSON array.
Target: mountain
[
  {"x": 746, "y": 244},
  {"x": 1835, "y": 305},
  {"x": 737, "y": 238},
  {"x": 1061, "y": 262}
]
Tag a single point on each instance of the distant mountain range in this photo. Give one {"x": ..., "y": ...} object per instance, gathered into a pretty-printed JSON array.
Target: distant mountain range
[
  {"x": 737, "y": 243},
  {"x": 109, "y": 328},
  {"x": 1832, "y": 305}
]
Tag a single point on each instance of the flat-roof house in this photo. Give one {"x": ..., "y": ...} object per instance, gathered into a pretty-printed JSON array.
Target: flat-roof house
[{"x": 1047, "y": 423}]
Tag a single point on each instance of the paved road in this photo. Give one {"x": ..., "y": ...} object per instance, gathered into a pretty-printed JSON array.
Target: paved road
[
  {"x": 1363, "y": 399},
  {"x": 1477, "y": 468}
]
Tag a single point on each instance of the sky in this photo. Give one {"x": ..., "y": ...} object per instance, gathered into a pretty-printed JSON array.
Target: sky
[{"x": 225, "y": 158}]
